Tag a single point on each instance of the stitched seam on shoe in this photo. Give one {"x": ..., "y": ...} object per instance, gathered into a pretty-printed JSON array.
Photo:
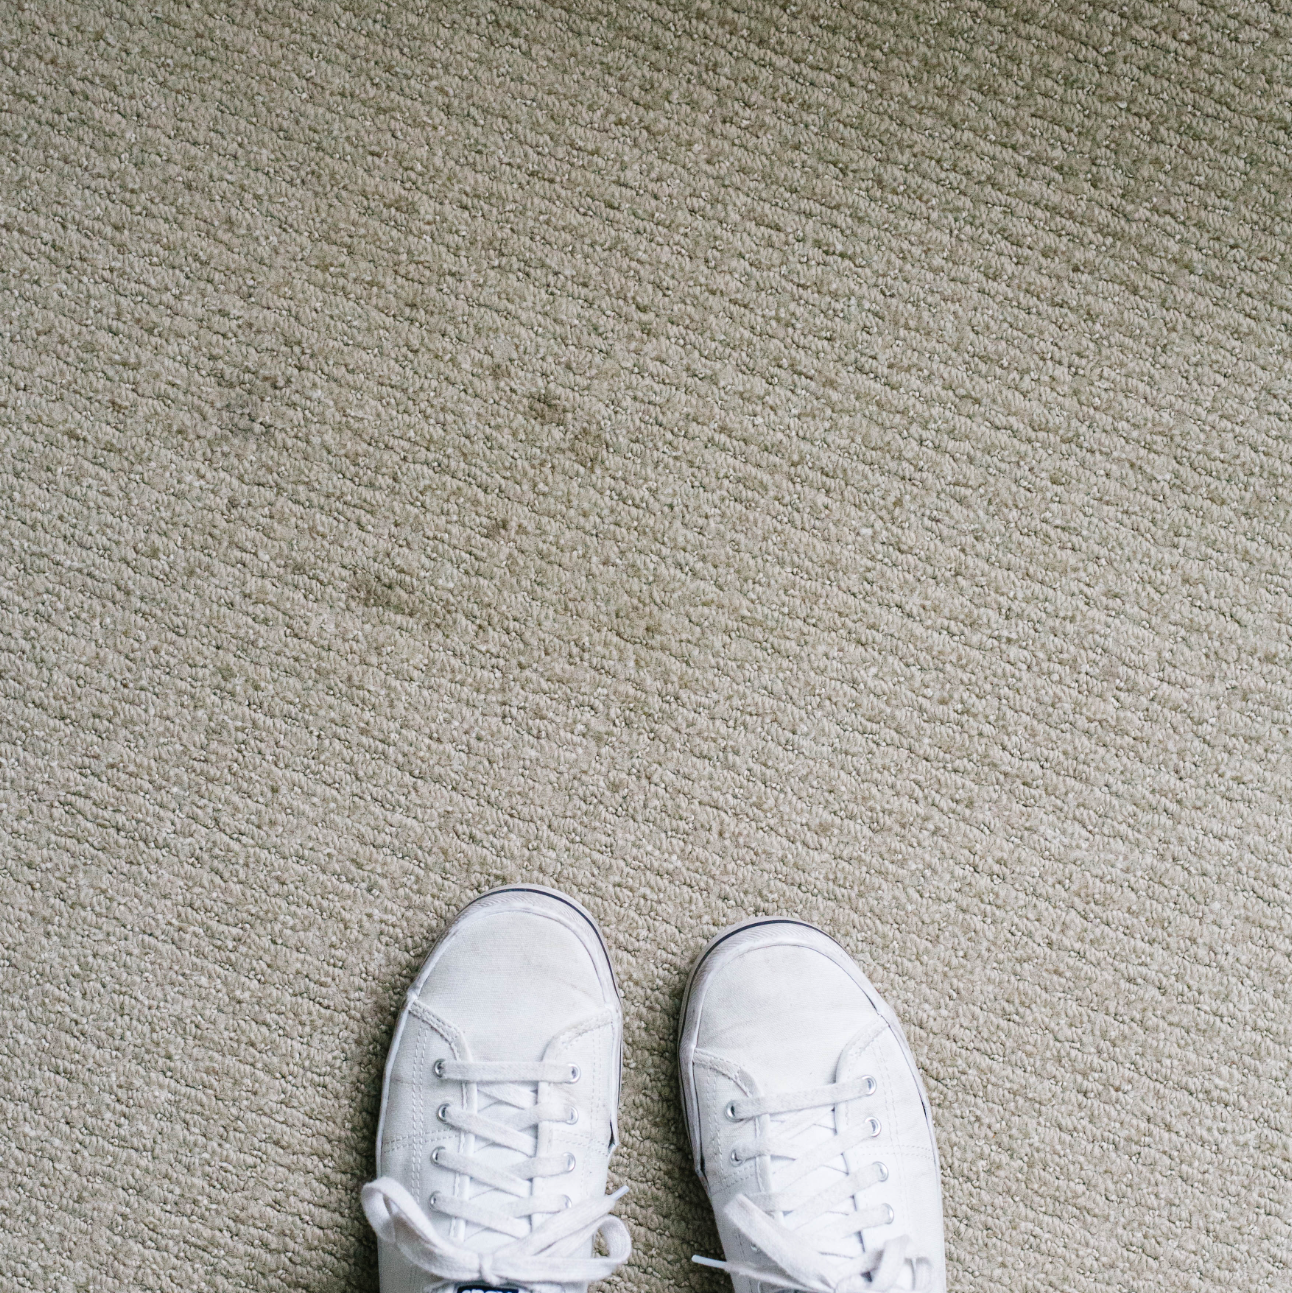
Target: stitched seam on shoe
[{"x": 728, "y": 1069}]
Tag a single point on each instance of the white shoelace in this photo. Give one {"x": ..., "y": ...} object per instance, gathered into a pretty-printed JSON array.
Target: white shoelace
[
  {"x": 540, "y": 1252},
  {"x": 813, "y": 1247}
]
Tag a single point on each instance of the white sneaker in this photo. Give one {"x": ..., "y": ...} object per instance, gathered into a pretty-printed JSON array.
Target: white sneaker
[
  {"x": 809, "y": 1123},
  {"x": 498, "y": 1114}
]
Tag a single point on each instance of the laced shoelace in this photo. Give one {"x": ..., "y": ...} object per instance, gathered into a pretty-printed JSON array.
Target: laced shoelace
[
  {"x": 540, "y": 1251},
  {"x": 813, "y": 1247}
]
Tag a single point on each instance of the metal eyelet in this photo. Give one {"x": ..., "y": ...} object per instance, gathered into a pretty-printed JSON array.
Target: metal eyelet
[
  {"x": 892, "y": 1216},
  {"x": 569, "y": 1162},
  {"x": 871, "y": 1084},
  {"x": 442, "y": 1112},
  {"x": 873, "y": 1123},
  {"x": 434, "y": 1200},
  {"x": 730, "y": 1111},
  {"x": 435, "y": 1154},
  {"x": 574, "y": 1073},
  {"x": 573, "y": 1118},
  {"x": 735, "y": 1156},
  {"x": 438, "y": 1068},
  {"x": 882, "y": 1170},
  {"x": 569, "y": 1202}
]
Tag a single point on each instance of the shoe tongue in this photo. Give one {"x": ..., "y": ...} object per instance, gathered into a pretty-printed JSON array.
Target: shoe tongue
[
  {"x": 480, "y": 1239},
  {"x": 508, "y": 1160},
  {"x": 846, "y": 1066},
  {"x": 822, "y": 1178}
]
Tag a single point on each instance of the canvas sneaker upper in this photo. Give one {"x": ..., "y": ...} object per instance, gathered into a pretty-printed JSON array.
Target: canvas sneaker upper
[
  {"x": 808, "y": 1121},
  {"x": 498, "y": 1113}
]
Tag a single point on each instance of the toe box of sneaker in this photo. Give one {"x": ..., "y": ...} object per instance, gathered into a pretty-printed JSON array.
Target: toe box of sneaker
[
  {"x": 510, "y": 979},
  {"x": 782, "y": 1009}
]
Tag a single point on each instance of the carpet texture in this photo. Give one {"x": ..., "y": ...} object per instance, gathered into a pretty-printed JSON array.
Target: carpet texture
[{"x": 716, "y": 459}]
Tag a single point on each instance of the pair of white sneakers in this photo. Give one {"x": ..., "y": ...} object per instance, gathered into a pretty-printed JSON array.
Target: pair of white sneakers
[{"x": 809, "y": 1124}]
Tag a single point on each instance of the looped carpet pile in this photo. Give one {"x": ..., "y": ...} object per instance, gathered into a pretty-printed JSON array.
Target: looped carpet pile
[{"x": 715, "y": 458}]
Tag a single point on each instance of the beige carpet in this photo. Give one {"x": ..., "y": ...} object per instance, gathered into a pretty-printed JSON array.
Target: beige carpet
[{"x": 714, "y": 459}]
